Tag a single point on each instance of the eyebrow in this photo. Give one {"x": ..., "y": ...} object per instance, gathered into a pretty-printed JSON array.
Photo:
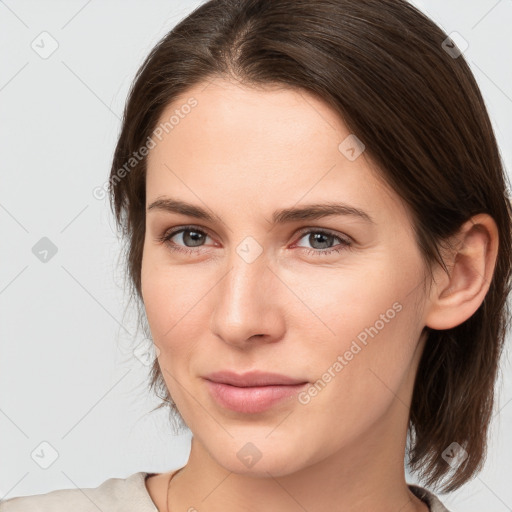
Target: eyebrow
[{"x": 285, "y": 215}]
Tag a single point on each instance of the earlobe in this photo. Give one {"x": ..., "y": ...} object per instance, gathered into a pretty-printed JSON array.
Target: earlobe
[{"x": 455, "y": 297}]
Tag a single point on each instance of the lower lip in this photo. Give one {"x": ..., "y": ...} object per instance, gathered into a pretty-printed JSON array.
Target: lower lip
[{"x": 251, "y": 399}]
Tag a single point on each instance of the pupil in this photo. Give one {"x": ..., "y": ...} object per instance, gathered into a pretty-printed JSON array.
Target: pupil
[
  {"x": 316, "y": 236},
  {"x": 194, "y": 238}
]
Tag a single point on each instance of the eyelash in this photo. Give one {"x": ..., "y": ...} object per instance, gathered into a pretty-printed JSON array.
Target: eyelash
[{"x": 345, "y": 242}]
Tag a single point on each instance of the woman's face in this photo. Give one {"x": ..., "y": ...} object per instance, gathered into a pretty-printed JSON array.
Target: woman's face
[{"x": 335, "y": 300}]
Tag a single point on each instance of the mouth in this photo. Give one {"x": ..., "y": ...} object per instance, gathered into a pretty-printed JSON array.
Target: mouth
[{"x": 252, "y": 392}]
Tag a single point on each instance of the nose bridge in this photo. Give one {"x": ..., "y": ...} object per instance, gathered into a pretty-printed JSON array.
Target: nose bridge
[
  {"x": 244, "y": 288},
  {"x": 245, "y": 297}
]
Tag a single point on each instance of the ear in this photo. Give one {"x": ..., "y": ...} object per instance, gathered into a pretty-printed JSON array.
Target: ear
[{"x": 471, "y": 262}]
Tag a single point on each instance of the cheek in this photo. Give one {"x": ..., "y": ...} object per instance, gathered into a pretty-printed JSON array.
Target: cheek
[
  {"x": 342, "y": 304},
  {"x": 171, "y": 296},
  {"x": 157, "y": 299},
  {"x": 360, "y": 372},
  {"x": 374, "y": 301}
]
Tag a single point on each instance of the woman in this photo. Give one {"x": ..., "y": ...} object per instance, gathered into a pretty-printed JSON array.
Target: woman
[{"x": 319, "y": 233}]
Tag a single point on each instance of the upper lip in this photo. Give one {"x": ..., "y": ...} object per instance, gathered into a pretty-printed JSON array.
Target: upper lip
[{"x": 253, "y": 378}]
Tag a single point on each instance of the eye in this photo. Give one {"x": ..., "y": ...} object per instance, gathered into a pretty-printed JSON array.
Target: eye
[
  {"x": 324, "y": 238},
  {"x": 194, "y": 237},
  {"x": 189, "y": 235}
]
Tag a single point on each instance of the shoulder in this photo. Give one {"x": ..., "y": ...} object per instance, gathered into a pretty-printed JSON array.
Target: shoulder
[
  {"x": 428, "y": 497},
  {"x": 113, "y": 495}
]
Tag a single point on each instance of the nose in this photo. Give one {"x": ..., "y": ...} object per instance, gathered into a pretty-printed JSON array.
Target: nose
[{"x": 247, "y": 303}]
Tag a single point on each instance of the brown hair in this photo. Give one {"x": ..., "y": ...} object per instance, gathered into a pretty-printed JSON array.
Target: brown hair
[{"x": 386, "y": 69}]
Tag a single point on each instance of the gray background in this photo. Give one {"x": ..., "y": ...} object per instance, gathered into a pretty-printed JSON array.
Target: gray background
[{"x": 68, "y": 373}]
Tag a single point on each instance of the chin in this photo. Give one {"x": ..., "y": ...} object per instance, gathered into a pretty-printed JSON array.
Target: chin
[{"x": 252, "y": 451}]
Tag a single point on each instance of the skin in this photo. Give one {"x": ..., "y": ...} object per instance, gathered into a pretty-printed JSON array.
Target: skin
[{"x": 243, "y": 153}]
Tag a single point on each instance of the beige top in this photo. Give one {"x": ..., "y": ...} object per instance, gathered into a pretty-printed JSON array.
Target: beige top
[{"x": 125, "y": 495}]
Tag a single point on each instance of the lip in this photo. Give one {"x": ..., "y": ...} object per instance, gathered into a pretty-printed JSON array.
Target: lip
[
  {"x": 253, "y": 378},
  {"x": 252, "y": 392}
]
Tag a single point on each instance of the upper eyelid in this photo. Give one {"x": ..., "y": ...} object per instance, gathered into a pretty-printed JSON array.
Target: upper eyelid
[{"x": 314, "y": 229}]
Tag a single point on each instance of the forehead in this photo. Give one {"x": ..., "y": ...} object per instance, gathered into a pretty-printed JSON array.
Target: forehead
[
  {"x": 257, "y": 145},
  {"x": 251, "y": 123}
]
